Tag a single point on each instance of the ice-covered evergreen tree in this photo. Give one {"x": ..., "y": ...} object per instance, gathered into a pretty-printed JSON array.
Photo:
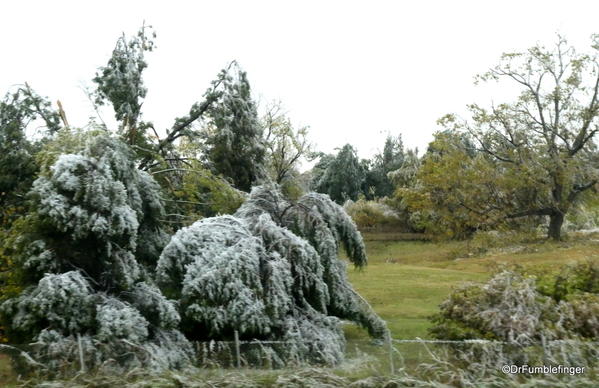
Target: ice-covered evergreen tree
[
  {"x": 85, "y": 253},
  {"x": 21, "y": 109},
  {"x": 270, "y": 271},
  {"x": 234, "y": 142},
  {"x": 120, "y": 82},
  {"x": 342, "y": 177}
]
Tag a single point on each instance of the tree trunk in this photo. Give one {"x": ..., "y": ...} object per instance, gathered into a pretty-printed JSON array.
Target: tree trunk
[{"x": 555, "y": 225}]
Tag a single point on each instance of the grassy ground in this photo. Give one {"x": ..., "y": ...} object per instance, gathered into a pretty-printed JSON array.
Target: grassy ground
[
  {"x": 406, "y": 280},
  {"x": 6, "y": 372}
]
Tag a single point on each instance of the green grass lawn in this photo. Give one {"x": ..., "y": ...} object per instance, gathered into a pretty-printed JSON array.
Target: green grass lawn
[
  {"x": 405, "y": 281},
  {"x": 406, "y": 295}
]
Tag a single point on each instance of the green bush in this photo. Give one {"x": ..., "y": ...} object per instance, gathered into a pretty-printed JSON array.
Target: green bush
[
  {"x": 506, "y": 308},
  {"x": 524, "y": 308},
  {"x": 571, "y": 281},
  {"x": 372, "y": 214}
]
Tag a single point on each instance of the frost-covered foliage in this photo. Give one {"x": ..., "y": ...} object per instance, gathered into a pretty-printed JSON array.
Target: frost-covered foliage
[
  {"x": 119, "y": 321},
  {"x": 214, "y": 266},
  {"x": 121, "y": 82},
  {"x": 158, "y": 310},
  {"x": 235, "y": 145},
  {"x": 325, "y": 226},
  {"x": 507, "y": 308},
  {"x": 64, "y": 307},
  {"x": 19, "y": 109},
  {"x": 54, "y": 302},
  {"x": 271, "y": 271},
  {"x": 524, "y": 309},
  {"x": 94, "y": 203},
  {"x": 85, "y": 254},
  {"x": 371, "y": 214},
  {"x": 315, "y": 337}
]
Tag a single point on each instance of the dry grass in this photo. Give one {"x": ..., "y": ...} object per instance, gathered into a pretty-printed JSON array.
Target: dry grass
[{"x": 6, "y": 372}]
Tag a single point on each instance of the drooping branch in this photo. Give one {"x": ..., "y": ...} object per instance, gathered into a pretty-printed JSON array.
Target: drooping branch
[{"x": 577, "y": 190}]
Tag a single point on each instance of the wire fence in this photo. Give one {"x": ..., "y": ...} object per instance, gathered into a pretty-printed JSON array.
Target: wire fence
[
  {"x": 244, "y": 354},
  {"x": 387, "y": 357}
]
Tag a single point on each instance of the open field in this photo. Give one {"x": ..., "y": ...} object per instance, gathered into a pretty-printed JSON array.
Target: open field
[{"x": 406, "y": 280}]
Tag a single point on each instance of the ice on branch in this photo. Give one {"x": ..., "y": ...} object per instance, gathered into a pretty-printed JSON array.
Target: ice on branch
[{"x": 270, "y": 272}]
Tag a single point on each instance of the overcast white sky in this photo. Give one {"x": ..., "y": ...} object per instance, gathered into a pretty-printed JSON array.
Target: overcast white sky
[{"x": 352, "y": 71}]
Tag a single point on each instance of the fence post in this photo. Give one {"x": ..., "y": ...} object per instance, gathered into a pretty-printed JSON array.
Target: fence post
[
  {"x": 81, "y": 361},
  {"x": 390, "y": 341},
  {"x": 544, "y": 345},
  {"x": 237, "y": 350}
]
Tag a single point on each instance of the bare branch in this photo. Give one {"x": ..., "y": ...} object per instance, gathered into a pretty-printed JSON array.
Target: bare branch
[
  {"x": 546, "y": 211},
  {"x": 180, "y": 124}
]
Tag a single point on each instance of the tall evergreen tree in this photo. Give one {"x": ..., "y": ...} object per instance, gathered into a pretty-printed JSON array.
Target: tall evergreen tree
[
  {"x": 120, "y": 82},
  {"x": 84, "y": 254},
  {"x": 235, "y": 145},
  {"x": 342, "y": 179},
  {"x": 376, "y": 182},
  {"x": 17, "y": 154}
]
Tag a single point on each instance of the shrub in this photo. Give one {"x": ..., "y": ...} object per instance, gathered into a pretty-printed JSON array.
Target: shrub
[
  {"x": 507, "y": 308},
  {"x": 513, "y": 307},
  {"x": 372, "y": 214}
]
